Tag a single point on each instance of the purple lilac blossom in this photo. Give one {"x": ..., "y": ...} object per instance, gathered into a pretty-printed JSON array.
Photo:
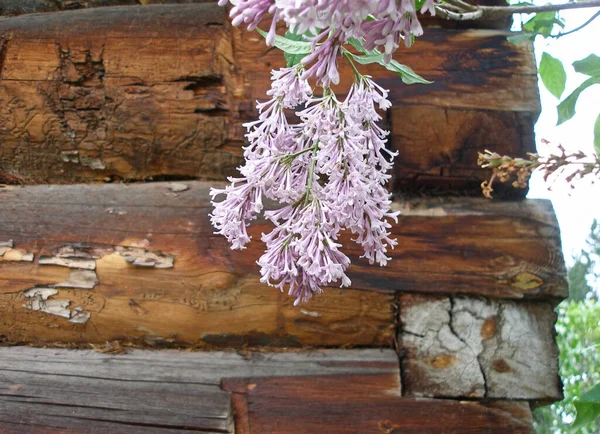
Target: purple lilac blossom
[
  {"x": 328, "y": 172},
  {"x": 381, "y": 24}
]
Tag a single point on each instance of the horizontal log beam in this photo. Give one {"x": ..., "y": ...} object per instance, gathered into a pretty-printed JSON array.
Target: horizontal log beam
[
  {"x": 22, "y": 7},
  {"x": 140, "y": 263},
  {"x": 161, "y": 91},
  {"x": 339, "y": 391}
]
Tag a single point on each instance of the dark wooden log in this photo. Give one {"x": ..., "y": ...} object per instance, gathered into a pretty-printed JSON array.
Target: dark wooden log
[
  {"x": 438, "y": 147},
  {"x": 140, "y": 263},
  {"x": 351, "y": 404},
  {"x": 333, "y": 391},
  {"x": 162, "y": 90}
]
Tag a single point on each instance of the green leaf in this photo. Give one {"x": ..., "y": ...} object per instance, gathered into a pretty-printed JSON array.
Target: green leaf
[
  {"x": 543, "y": 23},
  {"x": 357, "y": 43},
  {"x": 588, "y": 407},
  {"x": 290, "y": 58},
  {"x": 520, "y": 37},
  {"x": 566, "y": 109},
  {"x": 289, "y": 46},
  {"x": 597, "y": 135},
  {"x": 553, "y": 74},
  {"x": 419, "y": 4},
  {"x": 588, "y": 66},
  {"x": 407, "y": 75}
]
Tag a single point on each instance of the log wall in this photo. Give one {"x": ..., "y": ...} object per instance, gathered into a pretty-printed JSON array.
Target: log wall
[{"x": 157, "y": 92}]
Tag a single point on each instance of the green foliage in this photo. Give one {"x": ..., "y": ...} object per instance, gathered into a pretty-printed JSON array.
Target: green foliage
[
  {"x": 542, "y": 23},
  {"x": 407, "y": 75},
  {"x": 290, "y": 58},
  {"x": 566, "y": 109},
  {"x": 597, "y": 135},
  {"x": 578, "y": 338},
  {"x": 578, "y": 330},
  {"x": 552, "y": 71},
  {"x": 589, "y": 66},
  {"x": 583, "y": 267},
  {"x": 553, "y": 74},
  {"x": 289, "y": 46},
  {"x": 520, "y": 37},
  {"x": 588, "y": 408}
]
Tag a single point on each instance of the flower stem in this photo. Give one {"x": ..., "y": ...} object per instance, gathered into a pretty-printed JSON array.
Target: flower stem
[{"x": 357, "y": 74}]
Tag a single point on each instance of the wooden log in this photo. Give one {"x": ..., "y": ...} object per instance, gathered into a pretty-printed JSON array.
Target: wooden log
[
  {"x": 168, "y": 391},
  {"x": 22, "y": 7},
  {"x": 439, "y": 147},
  {"x": 126, "y": 92},
  {"x": 85, "y": 96},
  {"x": 334, "y": 391},
  {"x": 465, "y": 347},
  {"x": 140, "y": 263},
  {"x": 351, "y": 404}
]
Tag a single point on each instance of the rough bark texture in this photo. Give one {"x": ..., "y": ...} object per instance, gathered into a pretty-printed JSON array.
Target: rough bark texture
[
  {"x": 140, "y": 262},
  {"x": 136, "y": 92},
  {"x": 340, "y": 391},
  {"x": 457, "y": 346}
]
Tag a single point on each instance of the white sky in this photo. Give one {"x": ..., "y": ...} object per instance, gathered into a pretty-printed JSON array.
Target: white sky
[{"x": 575, "y": 208}]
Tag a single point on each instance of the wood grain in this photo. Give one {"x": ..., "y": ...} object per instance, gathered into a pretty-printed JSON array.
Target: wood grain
[
  {"x": 439, "y": 146},
  {"x": 455, "y": 347},
  {"x": 22, "y": 7},
  {"x": 161, "y": 91},
  {"x": 357, "y": 404},
  {"x": 44, "y": 390},
  {"x": 334, "y": 391},
  {"x": 162, "y": 277}
]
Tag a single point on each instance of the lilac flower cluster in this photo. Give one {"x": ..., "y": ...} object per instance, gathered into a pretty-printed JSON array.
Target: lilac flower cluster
[
  {"x": 382, "y": 24},
  {"x": 328, "y": 171}
]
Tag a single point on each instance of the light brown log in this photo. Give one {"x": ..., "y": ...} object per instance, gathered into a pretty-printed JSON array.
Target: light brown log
[
  {"x": 162, "y": 277},
  {"x": 455, "y": 347},
  {"x": 162, "y": 90}
]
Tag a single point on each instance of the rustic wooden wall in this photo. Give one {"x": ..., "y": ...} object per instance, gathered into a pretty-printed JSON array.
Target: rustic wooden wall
[
  {"x": 340, "y": 391},
  {"x": 160, "y": 91}
]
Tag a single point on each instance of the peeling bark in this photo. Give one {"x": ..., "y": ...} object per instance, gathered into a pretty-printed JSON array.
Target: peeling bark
[
  {"x": 40, "y": 299},
  {"x": 9, "y": 253}
]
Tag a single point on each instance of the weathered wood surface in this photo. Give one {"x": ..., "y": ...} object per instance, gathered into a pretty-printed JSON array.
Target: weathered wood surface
[
  {"x": 125, "y": 92},
  {"x": 357, "y": 404},
  {"x": 22, "y": 7},
  {"x": 464, "y": 347},
  {"x": 333, "y": 391},
  {"x": 161, "y": 392},
  {"x": 141, "y": 263},
  {"x": 162, "y": 90},
  {"x": 439, "y": 147}
]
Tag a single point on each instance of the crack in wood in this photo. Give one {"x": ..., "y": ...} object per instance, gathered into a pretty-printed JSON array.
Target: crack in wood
[{"x": 458, "y": 346}]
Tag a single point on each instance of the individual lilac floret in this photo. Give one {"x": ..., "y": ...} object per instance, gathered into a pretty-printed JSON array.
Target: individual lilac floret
[{"x": 289, "y": 85}]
